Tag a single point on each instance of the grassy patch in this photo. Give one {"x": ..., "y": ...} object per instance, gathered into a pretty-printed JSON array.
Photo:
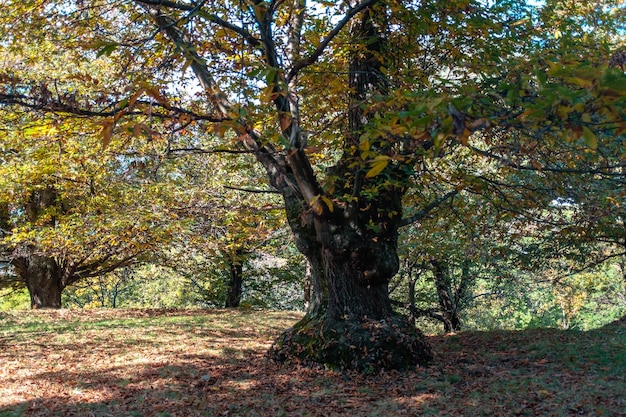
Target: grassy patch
[{"x": 207, "y": 363}]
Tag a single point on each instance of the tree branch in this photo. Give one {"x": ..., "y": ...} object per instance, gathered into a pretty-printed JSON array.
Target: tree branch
[
  {"x": 251, "y": 190},
  {"x": 197, "y": 63},
  {"x": 326, "y": 41},
  {"x": 602, "y": 171},
  {"x": 209, "y": 16},
  {"x": 207, "y": 151},
  {"x": 54, "y": 106},
  {"x": 424, "y": 212},
  {"x": 98, "y": 267},
  {"x": 585, "y": 267}
]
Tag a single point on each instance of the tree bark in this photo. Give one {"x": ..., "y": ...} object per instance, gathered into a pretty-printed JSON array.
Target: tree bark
[
  {"x": 352, "y": 325},
  {"x": 42, "y": 274},
  {"x": 44, "y": 279},
  {"x": 4, "y": 218},
  {"x": 447, "y": 302},
  {"x": 350, "y": 322},
  {"x": 235, "y": 282}
]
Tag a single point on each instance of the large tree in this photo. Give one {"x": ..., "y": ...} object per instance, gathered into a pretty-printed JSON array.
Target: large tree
[{"x": 342, "y": 103}]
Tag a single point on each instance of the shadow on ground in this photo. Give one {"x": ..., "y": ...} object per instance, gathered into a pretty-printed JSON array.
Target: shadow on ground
[{"x": 203, "y": 369}]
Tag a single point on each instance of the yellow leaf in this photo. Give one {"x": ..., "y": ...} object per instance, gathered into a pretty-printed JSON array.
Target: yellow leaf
[
  {"x": 434, "y": 103},
  {"x": 364, "y": 145},
  {"x": 520, "y": 22},
  {"x": 378, "y": 165},
  {"x": 314, "y": 204},
  {"x": 328, "y": 203},
  {"x": 582, "y": 82},
  {"x": 267, "y": 94},
  {"x": 397, "y": 129}
]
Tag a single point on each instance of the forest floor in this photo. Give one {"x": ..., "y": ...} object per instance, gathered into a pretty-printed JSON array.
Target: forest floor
[{"x": 212, "y": 363}]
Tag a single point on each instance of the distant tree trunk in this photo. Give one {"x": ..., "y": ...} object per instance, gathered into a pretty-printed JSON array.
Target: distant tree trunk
[
  {"x": 447, "y": 300},
  {"x": 235, "y": 282},
  {"x": 622, "y": 263},
  {"x": 413, "y": 277},
  {"x": 4, "y": 229},
  {"x": 42, "y": 274},
  {"x": 115, "y": 293},
  {"x": 102, "y": 293},
  {"x": 4, "y": 218},
  {"x": 44, "y": 280}
]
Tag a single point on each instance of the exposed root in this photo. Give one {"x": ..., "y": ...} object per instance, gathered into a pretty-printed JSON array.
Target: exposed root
[{"x": 365, "y": 345}]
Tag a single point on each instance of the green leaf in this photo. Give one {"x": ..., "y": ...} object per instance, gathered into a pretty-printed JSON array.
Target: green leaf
[
  {"x": 590, "y": 138},
  {"x": 283, "y": 140},
  {"x": 107, "y": 49}
]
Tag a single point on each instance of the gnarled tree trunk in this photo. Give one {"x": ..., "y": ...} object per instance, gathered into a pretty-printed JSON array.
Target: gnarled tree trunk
[
  {"x": 353, "y": 326},
  {"x": 351, "y": 246},
  {"x": 42, "y": 274},
  {"x": 349, "y": 321}
]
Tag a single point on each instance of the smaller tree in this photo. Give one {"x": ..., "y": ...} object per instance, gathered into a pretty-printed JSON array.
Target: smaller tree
[{"x": 72, "y": 211}]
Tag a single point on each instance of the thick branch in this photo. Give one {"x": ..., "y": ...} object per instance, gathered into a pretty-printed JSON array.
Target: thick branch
[
  {"x": 588, "y": 266},
  {"x": 198, "y": 64},
  {"x": 306, "y": 185},
  {"x": 251, "y": 190},
  {"x": 296, "y": 21},
  {"x": 100, "y": 267},
  {"x": 209, "y": 16},
  {"x": 249, "y": 138},
  {"x": 303, "y": 172},
  {"x": 206, "y": 151},
  {"x": 419, "y": 312},
  {"x": 57, "y": 106}
]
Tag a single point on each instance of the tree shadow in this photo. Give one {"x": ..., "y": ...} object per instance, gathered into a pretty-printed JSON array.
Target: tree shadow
[
  {"x": 221, "y": 372},
  {"x": 200, "y": 385}
]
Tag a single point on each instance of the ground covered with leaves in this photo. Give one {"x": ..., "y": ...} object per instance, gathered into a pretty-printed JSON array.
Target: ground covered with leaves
[{"x": 213, "y": 363}]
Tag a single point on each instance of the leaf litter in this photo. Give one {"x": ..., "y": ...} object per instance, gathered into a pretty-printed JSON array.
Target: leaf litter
[{"x": 213, "y": 363}]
